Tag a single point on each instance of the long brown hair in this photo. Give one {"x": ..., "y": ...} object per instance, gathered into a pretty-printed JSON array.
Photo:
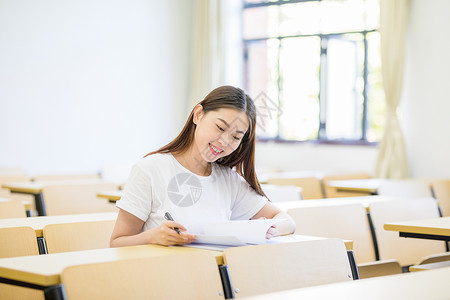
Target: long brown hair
[{"x": 243, "y": 158}]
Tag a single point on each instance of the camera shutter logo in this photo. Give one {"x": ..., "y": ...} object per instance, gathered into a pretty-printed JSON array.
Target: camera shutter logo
[{"x": 184, "y": 189}]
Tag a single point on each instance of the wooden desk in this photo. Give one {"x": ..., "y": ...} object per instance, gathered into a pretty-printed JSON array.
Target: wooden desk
[
  {"x": 364, "y": 201},
  {"x": 358, "y": 185},
  {"x": 412, "y": 286},
  {"x": 112, "y": 196},
  {"x": 43, "y": 271},
  {"x": 434, "y": 229},
  {"x": 35, "y": 189},
  {"x": 38, "y": 223}
]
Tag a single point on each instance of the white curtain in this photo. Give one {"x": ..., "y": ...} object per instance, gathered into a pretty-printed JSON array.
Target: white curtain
[
  {"x": 207, "y": 50},
  {"x": 392, "y": 161},
  {"x": 216, "y": 47}
]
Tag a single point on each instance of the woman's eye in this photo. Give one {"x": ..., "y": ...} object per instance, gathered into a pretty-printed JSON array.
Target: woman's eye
[
  {"x": 220, "y": 128},
  {"x": 236, "y": 138}
]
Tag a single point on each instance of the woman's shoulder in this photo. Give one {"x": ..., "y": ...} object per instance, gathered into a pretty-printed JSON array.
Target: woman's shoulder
[
  {"x": 157, "y": 159},
  {"x": 228, "y": 173}
]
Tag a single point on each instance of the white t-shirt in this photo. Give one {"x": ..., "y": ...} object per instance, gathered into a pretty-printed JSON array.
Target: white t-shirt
[{"x": 158, "y": 183}]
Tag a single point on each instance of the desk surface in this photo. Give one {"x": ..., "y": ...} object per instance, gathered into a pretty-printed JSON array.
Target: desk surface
[
  {"x": 435, "y": 226},
  {"x": 38, "y": 223},
  {"x": 370, "y": 185},
  {"x": 364, "y": 201},
  {"x": 112, "y": 196},
  {"x": 37, "y": 187},
  {"x": 431, "y": 284},
  {"x": 46, "y": 269}
]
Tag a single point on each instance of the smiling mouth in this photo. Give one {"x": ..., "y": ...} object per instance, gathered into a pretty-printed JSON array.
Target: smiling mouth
[{"x": 214, "y": 150}]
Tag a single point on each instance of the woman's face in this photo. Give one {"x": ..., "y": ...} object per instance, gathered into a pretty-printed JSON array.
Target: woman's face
[{"x": 219, "y": 132}]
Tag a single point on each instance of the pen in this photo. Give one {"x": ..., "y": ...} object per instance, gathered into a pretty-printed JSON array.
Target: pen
[{"x": 168, "y": 217}]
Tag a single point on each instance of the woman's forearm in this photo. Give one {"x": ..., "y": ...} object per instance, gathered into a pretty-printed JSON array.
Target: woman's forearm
[{"x": 142, "y": 238}]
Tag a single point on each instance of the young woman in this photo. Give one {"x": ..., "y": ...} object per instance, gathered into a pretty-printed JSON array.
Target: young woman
[{"x": 206, "y": 174}]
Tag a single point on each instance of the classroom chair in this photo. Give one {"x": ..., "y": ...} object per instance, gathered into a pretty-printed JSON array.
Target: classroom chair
[
  {"x": 405, "y": 188},
  {"x": 348, "y": 222},
  {"x": 12, "y": 209},
  {"x": 278, "y": 193},
  {"x": 57, "y": 177},
  {"x": 441, "y": 191},
  {"x": 18, "y": 241},
  {"x": 332, "y": 192},
  {"x": 311, "y": 187},
  {"x": 67, "y": 237},
  {"x": 269, "y": 268},
  {"x": 407, "y": 251},
  {"x": 77, "y": 198},
  {"x": 173, "y": 276}
]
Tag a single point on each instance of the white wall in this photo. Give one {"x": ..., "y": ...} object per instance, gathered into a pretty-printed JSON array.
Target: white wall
[
  {"x": 425, "y": 103},
  {"x": 90, "y": 82},
  {"x": 108, "y": 81}
]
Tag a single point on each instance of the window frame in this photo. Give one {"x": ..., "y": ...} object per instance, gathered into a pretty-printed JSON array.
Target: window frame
[{"x": 321, "y": 137}]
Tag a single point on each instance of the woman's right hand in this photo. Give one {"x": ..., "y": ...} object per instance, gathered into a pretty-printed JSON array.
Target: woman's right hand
[{"x": 166, "y": 235}]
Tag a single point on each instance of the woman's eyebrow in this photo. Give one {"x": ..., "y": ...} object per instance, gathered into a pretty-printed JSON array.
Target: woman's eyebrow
[{"x": 226, "y": 124}]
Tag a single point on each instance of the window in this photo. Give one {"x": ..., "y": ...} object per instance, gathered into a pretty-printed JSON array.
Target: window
[{"x": 318, "y": 64}]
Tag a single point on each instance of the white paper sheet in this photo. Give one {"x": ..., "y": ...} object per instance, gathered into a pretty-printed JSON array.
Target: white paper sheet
[{"x": 236, "y": 233}]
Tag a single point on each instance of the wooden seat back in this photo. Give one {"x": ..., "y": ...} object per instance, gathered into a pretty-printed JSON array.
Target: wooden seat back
[
  {"x": 263, "y": 269},
  {"x": 311, "y": 187},
  {"x": 67, "y": 237},
  {"x": 441, "y": 191},
  {"x": 348, "y": 222},
  {"x": 180, "y": 276},
  {"x": 12, "y": 209},
  {"x": 279, "y": 193},
  {"x": 77, "y": 198},
  {"x": 18, "y": 241},
  {"x": 407, "y": 251},
  {"x": 405, "y": 188}
]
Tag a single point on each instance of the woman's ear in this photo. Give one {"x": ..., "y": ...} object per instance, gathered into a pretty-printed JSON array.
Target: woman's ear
[{"x": 198, "y": 113}]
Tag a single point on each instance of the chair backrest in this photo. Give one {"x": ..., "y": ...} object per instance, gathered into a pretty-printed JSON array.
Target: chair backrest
[
  {"x": 332, "y": 192},
  {"x": 56, "y": 177},
  {"x": 407, "y": 251},
  {"x": 405, "y": 188},
  {"x": 67, "y": 237},
  {"x": 172, "y": 276},
  {"x": 18, "y": 241},
  {"x": 279, "y": 193},
  {"x": 311, "y": 187},
  {"x": 268, "y": 268},
  {"x": 441, "y": 191},
  {"x": 11, "y": 209},
  {"x": 77, "y": 198},
  {"x": 348, "y": 222}
]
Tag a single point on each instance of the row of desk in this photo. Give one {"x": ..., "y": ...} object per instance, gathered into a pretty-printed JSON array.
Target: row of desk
[{"x": 437, "y": 229}]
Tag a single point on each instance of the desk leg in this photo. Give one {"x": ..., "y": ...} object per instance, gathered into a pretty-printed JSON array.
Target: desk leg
[
  {"x": 353, "y": 266},
  {"x": 40, "y": 206},
  {"x": 56, "y": 292},
  {"x": 226, "y": 283},
  {"x": 374, "y": 237},
  {"x": 42, "y": 246}
]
